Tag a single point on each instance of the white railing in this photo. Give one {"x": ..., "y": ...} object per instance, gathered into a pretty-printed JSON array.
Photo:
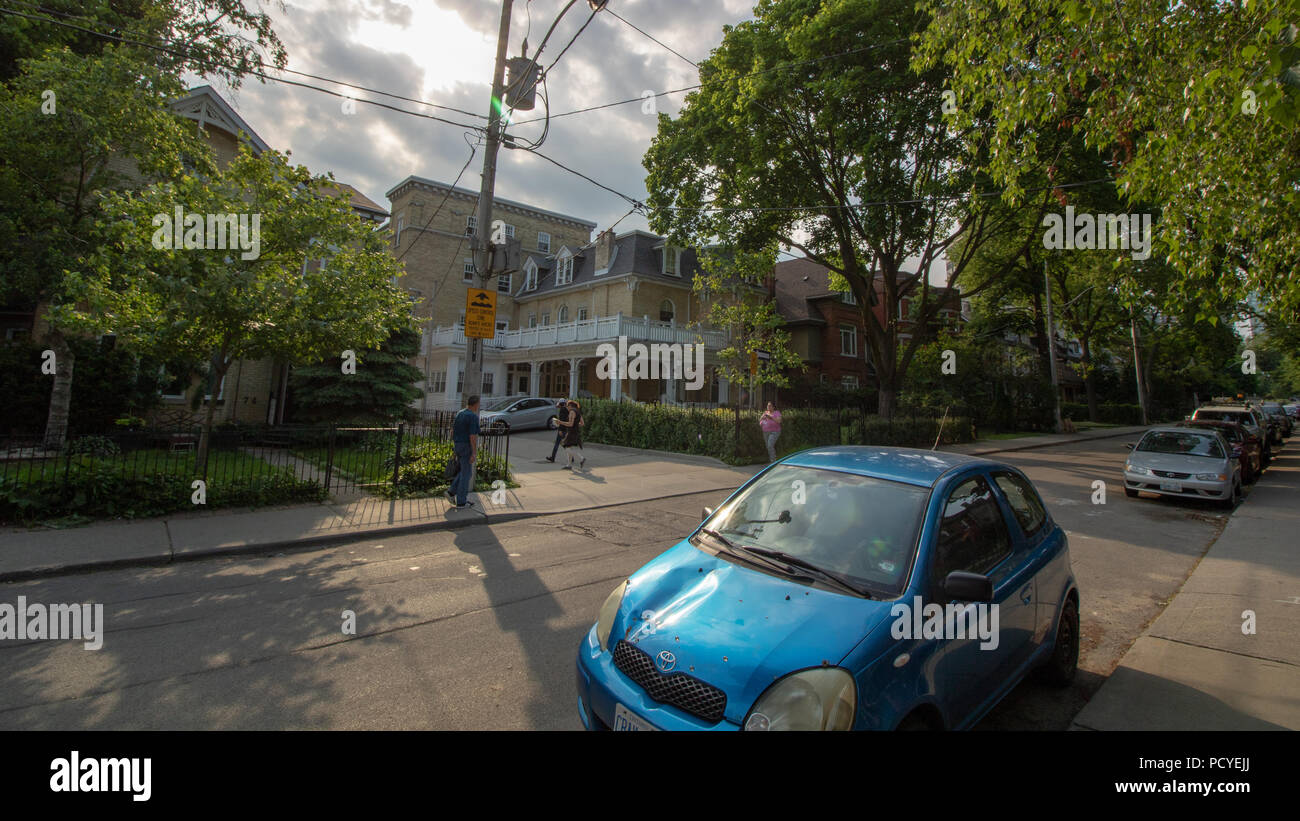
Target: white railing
[{"x": 600, "y": 329}]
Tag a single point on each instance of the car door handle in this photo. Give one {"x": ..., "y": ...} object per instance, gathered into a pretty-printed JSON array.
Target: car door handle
[{"x": 1027, "y": 594}]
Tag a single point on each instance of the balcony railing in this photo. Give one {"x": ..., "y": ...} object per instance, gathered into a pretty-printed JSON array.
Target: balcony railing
[{"x": 600, "y": 329}]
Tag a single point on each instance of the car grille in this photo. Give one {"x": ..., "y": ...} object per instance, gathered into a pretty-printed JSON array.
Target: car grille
[
  {"x": 1169, "y": 474},
  {"x": 684, "y": 692}
]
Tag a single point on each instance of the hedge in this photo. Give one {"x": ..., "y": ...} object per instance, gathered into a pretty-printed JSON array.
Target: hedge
[
  {"x": 424, "y": 468},
  {"x": 712, "y": 432},
  {"x": 1113, "y": 414}
]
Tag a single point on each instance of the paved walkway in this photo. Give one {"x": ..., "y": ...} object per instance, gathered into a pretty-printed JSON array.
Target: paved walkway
[{"x": 1224, "y": 654}]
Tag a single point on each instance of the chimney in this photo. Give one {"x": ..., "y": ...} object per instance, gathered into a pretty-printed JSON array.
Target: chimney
[{"x": 604, "y": 249}]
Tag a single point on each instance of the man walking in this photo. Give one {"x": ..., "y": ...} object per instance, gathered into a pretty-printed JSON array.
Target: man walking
[
  {"x": 561, "y": 418},
  {"x": 464, "y": 440}
]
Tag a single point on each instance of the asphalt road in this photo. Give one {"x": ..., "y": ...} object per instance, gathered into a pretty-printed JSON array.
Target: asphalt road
[{"x": 477, "y": 628}]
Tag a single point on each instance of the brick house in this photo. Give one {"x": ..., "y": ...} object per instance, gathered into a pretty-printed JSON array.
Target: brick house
[{"x": 570, "y": 295}]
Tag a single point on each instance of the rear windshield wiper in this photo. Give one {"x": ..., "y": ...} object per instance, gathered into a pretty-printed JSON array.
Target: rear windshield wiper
[{"x": 795, "y": 561}]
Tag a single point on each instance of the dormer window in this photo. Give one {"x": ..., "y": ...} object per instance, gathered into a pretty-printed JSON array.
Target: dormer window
[
  {"x": 564, "y": 268},
  {"x": 848, "y": 298},
  {"x": 530, "y": 275},
  {"x": 672, "y": 261}
]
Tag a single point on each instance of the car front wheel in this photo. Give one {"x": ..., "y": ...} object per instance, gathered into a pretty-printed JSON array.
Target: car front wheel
[{"x": 1064, "y": 661}]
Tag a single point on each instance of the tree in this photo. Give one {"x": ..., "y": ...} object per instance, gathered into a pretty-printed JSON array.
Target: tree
[
  {"x": 166, "y": 293},
  {"x": 82, "y": 113},
  {"x": 1196, "y": 103},
  {"x": 840, "y": 152},
  {"x": 379, "y": 391}
]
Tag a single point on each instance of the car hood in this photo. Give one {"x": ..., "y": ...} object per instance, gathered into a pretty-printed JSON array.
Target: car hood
[
  {"x": 1176, "y": 462},
  {"x": 735, "y": 627}
]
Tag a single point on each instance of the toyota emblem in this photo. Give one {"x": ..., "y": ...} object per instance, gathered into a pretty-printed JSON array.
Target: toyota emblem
[{"x": 665, "y": 661}]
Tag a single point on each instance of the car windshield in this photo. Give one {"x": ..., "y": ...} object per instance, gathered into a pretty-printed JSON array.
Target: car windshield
[
  {"x": 1226, "y": 416},
  {"x": 1184, "y": 444},
  {"x": 1229, "y": 432},
  {"x": 860, "y": 527},
  {"x": 500, "y": 404}
]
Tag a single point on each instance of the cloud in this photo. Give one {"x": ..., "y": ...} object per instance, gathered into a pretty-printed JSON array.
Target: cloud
[{"x": 442, "y": 51}]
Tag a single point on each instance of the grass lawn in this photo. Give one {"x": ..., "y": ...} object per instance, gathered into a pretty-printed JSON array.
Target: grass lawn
[{"x": 351, "y": 462}]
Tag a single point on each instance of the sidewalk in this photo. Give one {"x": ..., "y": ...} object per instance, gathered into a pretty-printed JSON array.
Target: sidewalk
[
  {"x": 983, "y": 448},
  {"x": 1194, "y": 668},
  {"x": 613, "y": 476}
]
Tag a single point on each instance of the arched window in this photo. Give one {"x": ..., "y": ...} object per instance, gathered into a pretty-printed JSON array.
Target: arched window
[
  {"x": 563, "y": 314},
  {"x": 666, "y": 311}
]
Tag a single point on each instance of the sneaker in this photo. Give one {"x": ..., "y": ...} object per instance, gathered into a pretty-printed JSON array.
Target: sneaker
[
  {"x": 582, "y": 462},
  {"x": 467, "y": 504},
  {"x": 550, "y": 458}
]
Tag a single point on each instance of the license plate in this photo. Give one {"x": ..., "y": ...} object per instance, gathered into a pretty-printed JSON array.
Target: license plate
[
  {"x": 624, "y": 719},
  {"x": 1176, "y": 487}
]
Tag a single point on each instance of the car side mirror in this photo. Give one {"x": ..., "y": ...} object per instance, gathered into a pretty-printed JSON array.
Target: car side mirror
[
  {"x": 963, "y": 586},
  {"x": 708, "y": 511}
]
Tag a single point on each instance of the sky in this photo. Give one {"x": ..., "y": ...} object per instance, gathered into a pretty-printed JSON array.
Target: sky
[{"x": 442, "y": 51}]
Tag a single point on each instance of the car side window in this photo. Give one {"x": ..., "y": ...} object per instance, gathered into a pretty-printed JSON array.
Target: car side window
[
  {"x": 1024, "y": 501},
  {"x": 973, "y": 535}
]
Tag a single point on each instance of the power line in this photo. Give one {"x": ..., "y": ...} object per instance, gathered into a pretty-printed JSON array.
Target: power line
[
  {"x": 182, "y": 53},
  {"x": 652, "y": 38},
  {"x": 472, "y": 150}
]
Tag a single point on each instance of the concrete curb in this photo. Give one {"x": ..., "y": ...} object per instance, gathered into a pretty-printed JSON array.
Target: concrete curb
[
  {"x": 315, "y": 542},
  {"x": 1036, "y": 445}
]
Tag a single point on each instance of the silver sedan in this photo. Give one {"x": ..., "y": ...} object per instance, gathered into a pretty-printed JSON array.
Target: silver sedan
[{"x": 1195, "y": 464}]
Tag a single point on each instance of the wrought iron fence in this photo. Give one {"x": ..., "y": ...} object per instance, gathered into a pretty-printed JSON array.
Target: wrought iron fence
[{"x": 338, "y": 459}]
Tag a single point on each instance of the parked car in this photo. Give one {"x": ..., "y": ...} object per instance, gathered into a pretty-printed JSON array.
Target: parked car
[
  {"x": 1293, "y": 411},
  {"x": 1183, "y": 462},
  {"x": 1275, "y": 411},
  {"x": 1248, "y": 417},
  {"x": 797, "y": 605},
  {"x": 518, "y": 413},
  {"x": 1246, "y": 447}
]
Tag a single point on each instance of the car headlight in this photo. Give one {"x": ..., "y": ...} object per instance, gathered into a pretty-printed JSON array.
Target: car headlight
[
  {"x": 1211, "y": 477},
  {"x": 1139, "y": 471},
  {"x": 824, "y": 698},
  {"x": 608, "y": 610}
]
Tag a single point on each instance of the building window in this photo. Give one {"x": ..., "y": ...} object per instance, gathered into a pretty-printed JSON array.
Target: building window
[
  {"x": 564, "y": 269},
  {"x": 503, "y": 325},
  {"x": 563, "y": 314},
  {"x": 672, "y": 260},
  {"x": 488, "y": 378},
  {"x": 470, "y": 222},
  {"x": 543, "y": 242},
  {"x": 397, "y": 237},
  {"x": 461, "y": 320},
  {"x": 848, "y": 298},
  {"x": 460, "y": 382},
  {"x": 438, "y": 382},
  {"x": 666, "y": 311},
  {"x": 546, "y": 317},
  {"x": 849, "y": 382},
  {"x": 530, "y": 275},
  {"x": 532, "y": 320},
  {"x": 467, "y": 271},
  {"x": 503, "y": 283},
  {"x": 848, "y": 340},
  {"x": 582, "y": 314},
  {"x": 509, "y": 230}
]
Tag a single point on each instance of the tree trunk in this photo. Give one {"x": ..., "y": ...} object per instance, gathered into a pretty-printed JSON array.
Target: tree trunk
[
  {"x": 209, "y": 414},
  {"x": 1090, "y": 381},
  {"x": 887, "y": 400},
  {"x": 56, "y": 422}
]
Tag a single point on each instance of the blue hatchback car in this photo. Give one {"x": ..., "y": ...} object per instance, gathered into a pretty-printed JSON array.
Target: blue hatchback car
[{"x": 841, "y": 588}]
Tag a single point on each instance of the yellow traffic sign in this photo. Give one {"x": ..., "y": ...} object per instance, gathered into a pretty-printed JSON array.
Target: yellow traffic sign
[{"x": 480, "y": 313}]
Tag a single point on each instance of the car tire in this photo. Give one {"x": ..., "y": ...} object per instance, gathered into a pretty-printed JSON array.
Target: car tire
[
  {"x": 1130, "y": 492},
  {"x": 1063, "y": 662},
  {"x": 914, "y": 723}
]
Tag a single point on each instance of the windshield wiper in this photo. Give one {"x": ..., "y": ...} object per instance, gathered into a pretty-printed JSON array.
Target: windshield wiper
[
  {"x": 795, "y": 561},
  {"x": 750, "y": 553}
]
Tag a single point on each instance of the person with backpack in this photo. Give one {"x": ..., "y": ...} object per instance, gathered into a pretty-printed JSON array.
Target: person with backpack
[
  {"x": 562, "y": 416},
  {"x": 573, "y": 436}
]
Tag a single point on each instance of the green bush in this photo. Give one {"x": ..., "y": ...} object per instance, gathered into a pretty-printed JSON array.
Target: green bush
[
  {"x": 109, "y": 492},
  {"x": 712, "y": 432},
  {"x": 424, "y": 466},
  {"x": 93, "y": 446}
]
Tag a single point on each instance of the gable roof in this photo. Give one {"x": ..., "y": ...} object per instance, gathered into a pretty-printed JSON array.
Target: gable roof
[
  {"x": 209, "y": 109},
  {"x": 358, "y": 200},
  {"x": 634, "y": 253}
]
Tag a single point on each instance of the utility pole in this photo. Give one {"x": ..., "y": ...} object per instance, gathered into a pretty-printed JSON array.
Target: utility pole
[
  {"x": 1051, "y": 349},
  {"x": 483, "y": 220},
  {"x": 1137, "y": 365}
]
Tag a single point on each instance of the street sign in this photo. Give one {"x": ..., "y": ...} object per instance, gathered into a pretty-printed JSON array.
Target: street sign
[
  {"x": 763, "y": 355},
  {"x": 480, "y": 313}
]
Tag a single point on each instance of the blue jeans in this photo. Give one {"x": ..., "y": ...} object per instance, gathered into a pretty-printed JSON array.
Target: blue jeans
[
  {"x": 559, "y": 437},
  {"x": 464, "y": 481}
]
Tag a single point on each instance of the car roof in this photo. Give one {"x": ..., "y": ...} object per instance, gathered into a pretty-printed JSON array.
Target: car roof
[
  {"x": 912, "y": 466},
  {"x": 1175, "y": 429}
]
